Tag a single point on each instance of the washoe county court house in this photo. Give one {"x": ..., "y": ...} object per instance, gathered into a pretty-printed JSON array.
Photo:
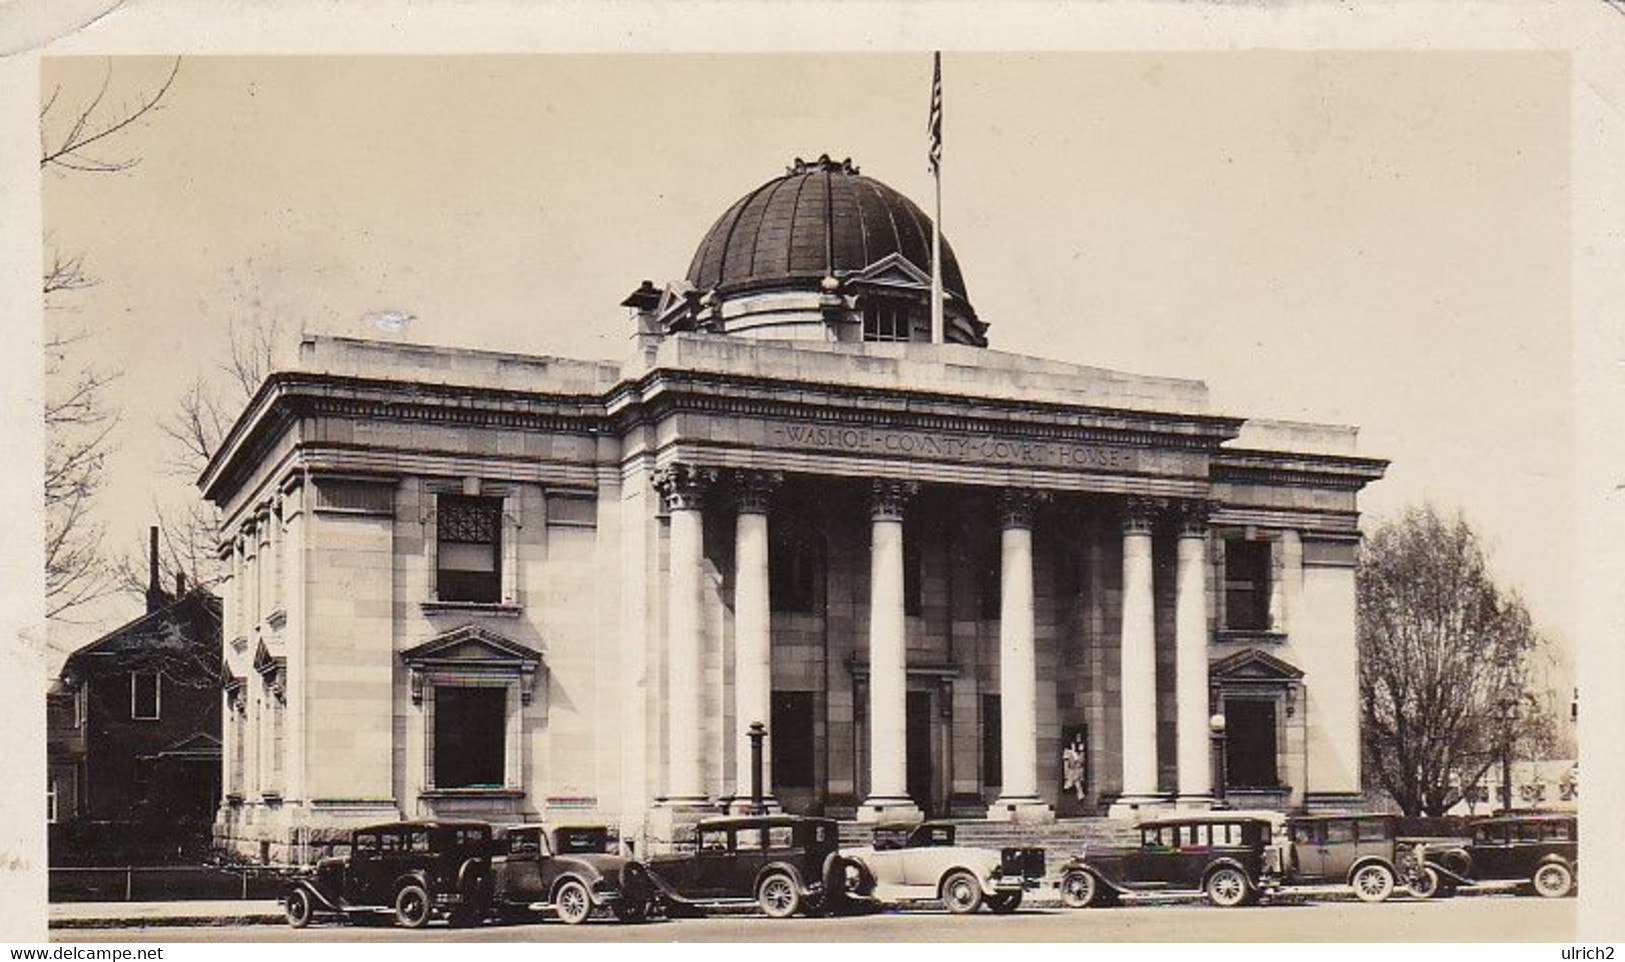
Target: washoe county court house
[{"x": 948, "y": 580}]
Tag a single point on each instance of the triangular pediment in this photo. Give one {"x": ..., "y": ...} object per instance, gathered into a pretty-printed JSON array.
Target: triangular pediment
[
  {"x": 268, "y": 657},
  {"x": 893, "y": 270},
  {"x": 1254, "y": 665},
  {"x": 471, "y": 643}
]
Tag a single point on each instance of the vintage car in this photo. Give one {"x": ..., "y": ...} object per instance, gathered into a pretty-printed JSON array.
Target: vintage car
[
  {"x": 784, "y": 862},
  {"x": 1231, "y": 857},
  {"x": 415, "y": 870},
  {"x": 1357, "y": 850},
  {"x": 921, "y": 862},
  {"x": 568, "y": 868},
  {"x": 1540, "y": 851}
]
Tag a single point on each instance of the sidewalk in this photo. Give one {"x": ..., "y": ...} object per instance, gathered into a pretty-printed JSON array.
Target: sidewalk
[{"x": 107, "y": 915}]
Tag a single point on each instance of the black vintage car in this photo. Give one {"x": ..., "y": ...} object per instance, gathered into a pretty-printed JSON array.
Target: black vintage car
[
  {"x": 415, "y": 870},
  {"x": 1541, "y": 851},
  {"x": 786, "y": 863},
  {"x": 1231, "y": 857},
  {"x": 569, "y": 868},
  {"x": 1357, "y": 850}
]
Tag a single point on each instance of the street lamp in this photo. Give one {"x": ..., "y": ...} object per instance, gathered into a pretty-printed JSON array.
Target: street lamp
[
  {"x": 756, "y": 733},
  {"x": 1215, "y": 725},
  {"x": 1509, "y": 713}
]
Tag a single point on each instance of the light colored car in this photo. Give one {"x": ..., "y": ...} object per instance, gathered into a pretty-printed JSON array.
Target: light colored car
[{"x": 922, "y": 863}]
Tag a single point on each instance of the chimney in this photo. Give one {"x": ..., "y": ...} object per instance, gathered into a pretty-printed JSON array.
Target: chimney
[{"x": 155, "y": 590}]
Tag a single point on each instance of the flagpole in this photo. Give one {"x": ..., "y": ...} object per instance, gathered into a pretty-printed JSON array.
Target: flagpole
[{"x": 938, "y": 335}]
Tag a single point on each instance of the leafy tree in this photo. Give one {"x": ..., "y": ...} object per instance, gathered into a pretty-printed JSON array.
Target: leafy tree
[{"x": 1446, "y": 658}]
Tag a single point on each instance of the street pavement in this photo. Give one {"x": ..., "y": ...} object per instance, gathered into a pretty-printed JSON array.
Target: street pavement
[{"x": 1484, "y": 918}]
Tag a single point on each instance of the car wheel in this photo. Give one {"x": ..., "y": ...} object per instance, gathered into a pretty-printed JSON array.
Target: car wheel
[
  {"x": 778, "y": 896},
  {"x": 1004, "y": 903},
  {"x": 1080, "y": 890},
  {"x": 961, "y": 893},
  {"x": 412, "y": 906},
  {"x": 298, "y": 908},
  {"x": 1553, "y": 880},
  {"x": 1373, "y": 883},
  {"x": 1429, "y": 884},
  {"x": 629, "y": 911},
  {"x": 1227, "y": 887},
  {"x": 572, "y": 903}
]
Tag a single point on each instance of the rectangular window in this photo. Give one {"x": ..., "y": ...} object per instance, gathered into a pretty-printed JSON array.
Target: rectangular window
[
  {"x": 791, "y": 740},
  {"x": 1247, "y": 585},
  {"x": 51, "y": 800},
  {"x": 992, "y": 741},
  {"x": 470, "y": 737},
  {"x": 793, "y": 560},
  {"x": 1250, "y": 744},
  {"x": 144, "y": 695},
  {"x": 1339, "y": 832},
  {"x": 885, "y": 320},
  {"x": 469, "y": 550},
  {"x": 577, "y": 508}
]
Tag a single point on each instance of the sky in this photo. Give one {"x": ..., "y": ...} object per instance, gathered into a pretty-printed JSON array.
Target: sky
[{"x": 1374, "y": 238}]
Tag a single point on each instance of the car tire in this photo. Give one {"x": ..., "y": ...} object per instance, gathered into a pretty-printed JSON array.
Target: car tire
[
  {"x": 778, "y": 896},
  {"x": 298, "y": 908},
  {"x": 1431, "y": 885},
  {"x": 629, "y": 912},
  {"x": 1004, "y": 903},
  {"x": 960, "y": 892},
  {"x": 1553, "y": 880},
  {"x": 1080, "y": 889},
  {"x": 412, "y": 906},
  {"x": 572, "y": 903},
  {"x": 1373, "y": 882},
  {"x": 1227, "y": 887}
]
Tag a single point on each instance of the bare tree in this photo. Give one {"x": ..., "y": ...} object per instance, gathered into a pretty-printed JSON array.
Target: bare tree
[
  {"x": 79, "y": 418},
  {"x": 204, "y": 411},
  {"x": 1445, "y": 663}
]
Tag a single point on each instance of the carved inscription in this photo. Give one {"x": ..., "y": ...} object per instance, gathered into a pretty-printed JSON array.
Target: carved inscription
[{"x": 953, "y": 447}]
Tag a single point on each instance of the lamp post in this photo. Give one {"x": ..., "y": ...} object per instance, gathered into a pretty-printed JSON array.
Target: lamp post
[
  {"x": 757, "y": 732},
  {"x": 1509, "y": 712},
  {"x": 1215, "y": 725}
]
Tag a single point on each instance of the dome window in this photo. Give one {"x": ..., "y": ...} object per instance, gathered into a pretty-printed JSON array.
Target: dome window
[{"x": 885, "y": 319}]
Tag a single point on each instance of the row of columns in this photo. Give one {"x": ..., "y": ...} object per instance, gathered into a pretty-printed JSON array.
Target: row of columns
[{"x": 684, "y": 487}]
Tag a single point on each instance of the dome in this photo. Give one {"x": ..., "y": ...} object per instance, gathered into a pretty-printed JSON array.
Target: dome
[{"x": 821, "y": 219}]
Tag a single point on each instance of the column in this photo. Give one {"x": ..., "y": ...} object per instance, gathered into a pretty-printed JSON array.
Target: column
[
  {"x": 753, "y": 665},
  {"x": 1018, "y": 799},
  {"x": 888, "y": 674},
  {"x": 1138, "y": 662},
  {"x": 1194, "y": 755},
  {"x": 684, "y": 489}
]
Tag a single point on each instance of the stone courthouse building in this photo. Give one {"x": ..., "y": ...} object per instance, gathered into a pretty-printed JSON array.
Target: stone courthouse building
[{"x": 948, "y": 580}]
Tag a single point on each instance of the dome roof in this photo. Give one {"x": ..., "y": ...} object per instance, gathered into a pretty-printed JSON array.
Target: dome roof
[{"x": 820, "y": 219}]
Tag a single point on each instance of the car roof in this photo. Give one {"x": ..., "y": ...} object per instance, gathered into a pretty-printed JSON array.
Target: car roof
[
  {"x": 1237, "y": 815},
  {"x": 424, "y": 824},
  {"x": 910, "y": 826},
  {"x": 1525, "y": 817},
  {"x": 761, "y": 821}
]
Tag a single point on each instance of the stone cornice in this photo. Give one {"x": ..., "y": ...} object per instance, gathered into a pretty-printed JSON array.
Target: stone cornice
[
  {"x": 1292, "y": 469},
  {"x": 664, "y": 391}
]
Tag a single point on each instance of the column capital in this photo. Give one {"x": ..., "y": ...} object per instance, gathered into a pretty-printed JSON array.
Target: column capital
[
  {"x": 1139, "y": 511},
  {"x": 1018, "y": 505},
  {"x": 683, "y": 485},
  {"x": 754, "y": 490},
  {"x": 888, "y": 498},
  {"x": 1192, "y": 514}
]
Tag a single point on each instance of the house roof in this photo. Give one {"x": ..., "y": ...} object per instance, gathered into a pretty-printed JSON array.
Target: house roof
[{"x": 195, "y": 605}]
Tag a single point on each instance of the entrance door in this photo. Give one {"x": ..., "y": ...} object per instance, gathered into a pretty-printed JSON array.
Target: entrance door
[
  {"x": 918, "y": 743},
  {"x": 1250, "y": 748}
]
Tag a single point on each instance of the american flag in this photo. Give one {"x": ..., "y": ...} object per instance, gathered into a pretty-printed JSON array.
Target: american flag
[{"x": 935, "y": 124}]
